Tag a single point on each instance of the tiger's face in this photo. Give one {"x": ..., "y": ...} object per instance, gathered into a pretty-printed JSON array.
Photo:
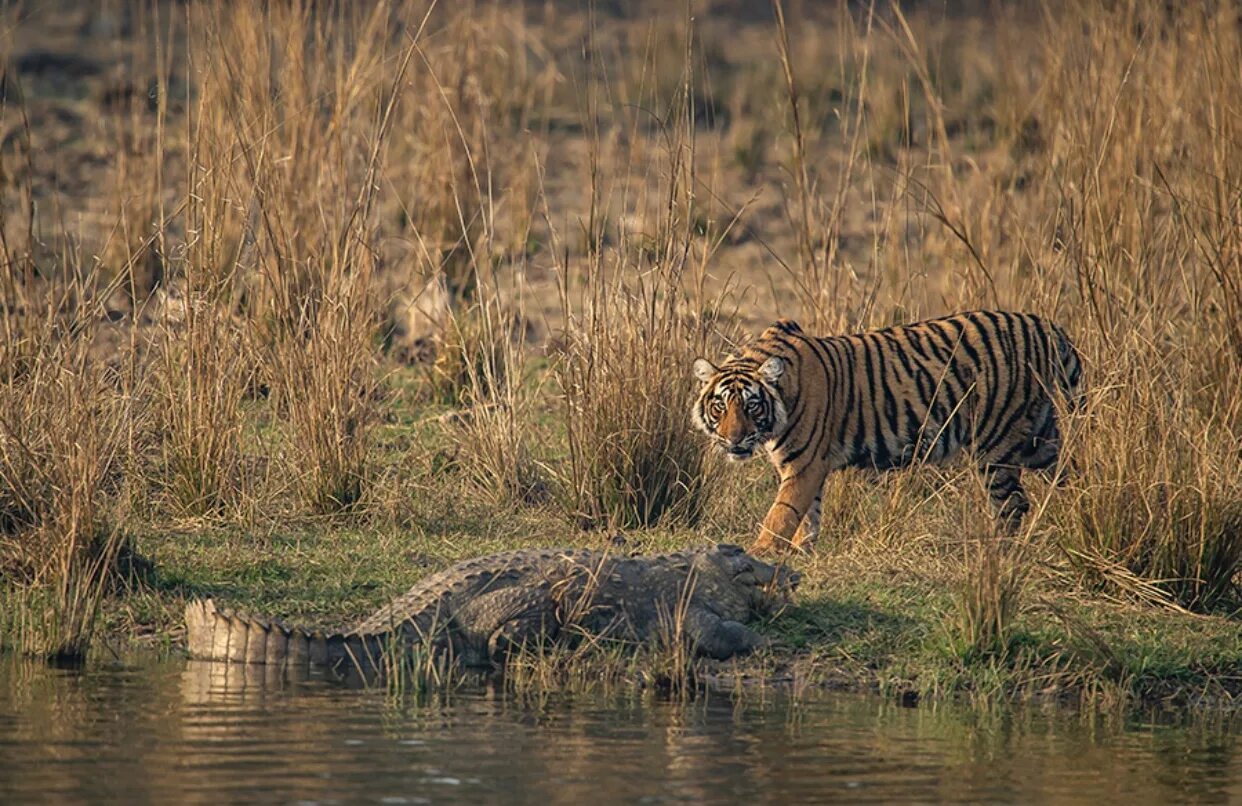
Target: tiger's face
[{"x": 740, "y": 407}]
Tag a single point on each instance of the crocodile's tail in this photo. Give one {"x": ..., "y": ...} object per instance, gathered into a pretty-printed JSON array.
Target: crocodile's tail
[{"x": 224, "y": 635}]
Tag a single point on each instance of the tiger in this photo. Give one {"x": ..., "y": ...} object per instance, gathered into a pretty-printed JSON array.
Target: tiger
[{"x": 986, "y": 382}]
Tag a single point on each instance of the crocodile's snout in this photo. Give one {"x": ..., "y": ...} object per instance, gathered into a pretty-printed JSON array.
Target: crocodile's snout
[
  {"x": 774, "y": 586},
  {"x": 775, "y": 576}
]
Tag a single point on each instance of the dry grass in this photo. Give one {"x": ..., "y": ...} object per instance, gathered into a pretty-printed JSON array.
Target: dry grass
[
  {"x": 988, "y": 600},
  {"x": 634, "y": 317},
  {"x": 1167, "y": 515},
  {"x": 306, "y": 123},
  {"x": 633, "y": 460},
  {"x": 66, "y": 427},
  {"x": 638, "y": 195},
  {"x": 206, "y": 364},
  {"x": 495, "y": 431}
]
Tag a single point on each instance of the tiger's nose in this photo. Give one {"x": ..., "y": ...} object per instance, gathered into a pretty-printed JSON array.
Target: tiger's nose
[{"x": 732, "y": 430}]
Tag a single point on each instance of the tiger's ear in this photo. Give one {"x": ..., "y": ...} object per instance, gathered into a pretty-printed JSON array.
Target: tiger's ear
[
  {"x": 772, "y": 369},
  {"x": 704, "y": 370}
]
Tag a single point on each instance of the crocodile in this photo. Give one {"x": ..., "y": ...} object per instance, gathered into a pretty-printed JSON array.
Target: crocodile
[{"x": 478, "y": 611}]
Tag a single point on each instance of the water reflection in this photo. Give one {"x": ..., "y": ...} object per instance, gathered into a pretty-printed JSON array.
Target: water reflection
[{"x": 197, "y": 732}]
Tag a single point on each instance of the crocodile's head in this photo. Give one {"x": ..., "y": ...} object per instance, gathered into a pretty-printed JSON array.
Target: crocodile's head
[{"x": 738, "y": 585}]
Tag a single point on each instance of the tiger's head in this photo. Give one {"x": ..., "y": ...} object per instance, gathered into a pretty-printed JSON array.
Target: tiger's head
[{"x": 740, "y": 406}]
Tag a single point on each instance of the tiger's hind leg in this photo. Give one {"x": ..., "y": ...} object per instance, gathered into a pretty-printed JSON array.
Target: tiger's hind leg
[
  {"x": 1058, "y": 470},
  {"x": 1042, "y": 450},
  {"x": 1009, "y": 502}
]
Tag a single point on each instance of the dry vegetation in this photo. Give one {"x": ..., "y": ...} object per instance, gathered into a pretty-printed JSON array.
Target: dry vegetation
[{"x": 252, "y": 251}]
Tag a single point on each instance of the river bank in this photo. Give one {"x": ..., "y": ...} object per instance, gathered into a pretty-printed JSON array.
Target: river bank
[{"x": 879, "y": 611}]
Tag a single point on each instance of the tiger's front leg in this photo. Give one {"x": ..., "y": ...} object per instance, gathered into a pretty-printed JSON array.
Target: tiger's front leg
[
  {"x": 808, "y": 531},
  {"x": 794, "y": 500}
]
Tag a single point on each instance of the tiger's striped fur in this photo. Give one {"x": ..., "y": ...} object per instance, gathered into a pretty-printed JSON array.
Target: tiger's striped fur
[{"x": 983, "y": 381}]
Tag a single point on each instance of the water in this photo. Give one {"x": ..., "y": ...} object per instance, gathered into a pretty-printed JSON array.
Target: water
[{"x": 158, "y": 731}]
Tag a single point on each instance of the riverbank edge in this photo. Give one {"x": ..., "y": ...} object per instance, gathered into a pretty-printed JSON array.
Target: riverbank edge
[{"x": 786, "y": 670}]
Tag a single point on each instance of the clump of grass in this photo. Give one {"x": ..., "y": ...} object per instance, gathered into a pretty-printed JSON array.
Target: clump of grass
[
  {"x": 200, "y": 383},
  {"x": 535, "y": 671},
  {"x": 328, "y": 391},
  {"x": 495, "y": 431},
  {"x": 206, "y": 365},
  {"x": 633, "y": 458},
  {"x": 987, "y": 601},
  {"x": 68, "y": 422},
  {"x": 602, "y": 666},
  {"x": 65, "y": 425},
  {"x": 671, "y": 662},
  {"x": 469, "y": 359},
  {"x": 417, "y": 670},
  {"x": 327, "y": 109},
  {"x": 1162, "y": 522}
]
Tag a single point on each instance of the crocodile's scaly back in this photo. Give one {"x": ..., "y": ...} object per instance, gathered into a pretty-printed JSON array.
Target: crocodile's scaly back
[{"x": 432, "y": 598}]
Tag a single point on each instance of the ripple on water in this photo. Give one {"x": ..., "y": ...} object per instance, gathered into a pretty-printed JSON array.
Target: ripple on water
[{"x": 167, "y": 730}]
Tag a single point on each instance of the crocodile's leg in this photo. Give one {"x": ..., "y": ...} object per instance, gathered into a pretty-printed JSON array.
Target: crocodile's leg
[
  {"x": 535, "y": 627},
  {"x": 490, "y": 625},
  {"x": 720, "y": 638}
]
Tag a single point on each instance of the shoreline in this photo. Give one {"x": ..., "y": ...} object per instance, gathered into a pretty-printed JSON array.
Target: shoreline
[
  {"x": 865, "y": 636},
  {"x": 750, "y": 677}
]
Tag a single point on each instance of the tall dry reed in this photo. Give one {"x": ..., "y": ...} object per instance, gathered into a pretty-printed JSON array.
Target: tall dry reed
[
  {"x": 304, "y": 103},
  {"x": 65, "y": 429}
]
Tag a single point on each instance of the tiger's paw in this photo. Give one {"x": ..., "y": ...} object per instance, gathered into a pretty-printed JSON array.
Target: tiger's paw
[
  {"x": 803, "y": 547},
  {"x": 763, "y": 546},
  {"x": 776, "y": 547}
]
